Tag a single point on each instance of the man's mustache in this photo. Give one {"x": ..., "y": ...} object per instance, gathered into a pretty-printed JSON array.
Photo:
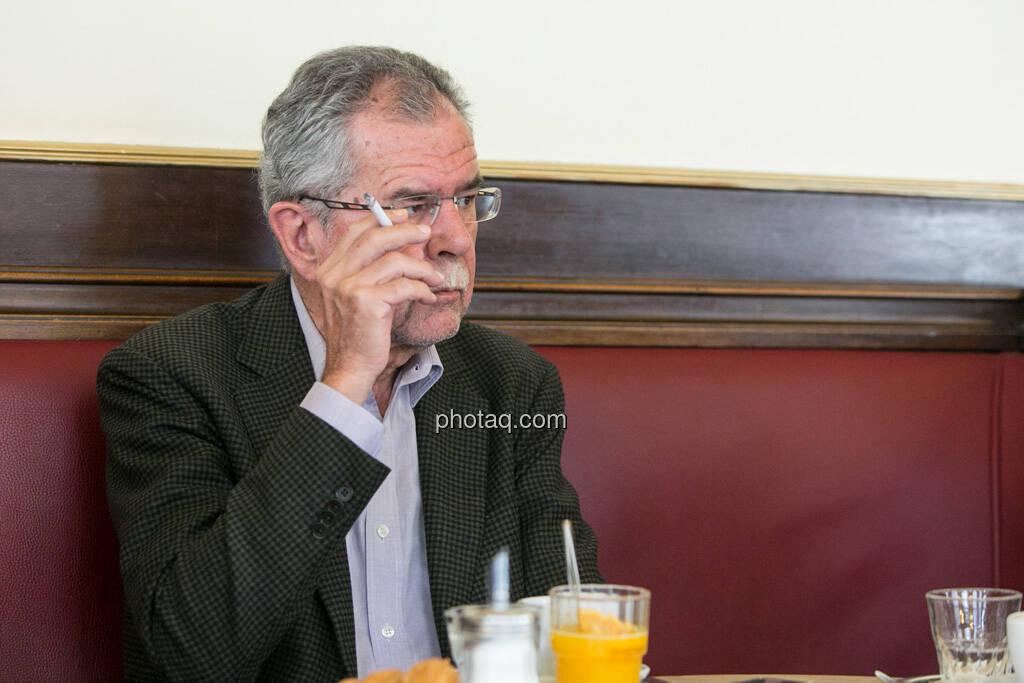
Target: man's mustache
[{"x": 456, "y": 275}]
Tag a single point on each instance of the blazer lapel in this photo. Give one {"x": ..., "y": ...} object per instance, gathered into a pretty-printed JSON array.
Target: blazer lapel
[
  {"x": 275, "y": 350},
  {"x": 453, "y": 479}
]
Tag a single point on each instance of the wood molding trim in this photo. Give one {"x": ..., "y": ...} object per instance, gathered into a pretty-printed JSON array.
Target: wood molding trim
[
  {"x": 100, "y": 153},
  {"x": 603, "y": 333},
  {"x": 133, "y": 276},
  {"x": 21, "y": 150},
  {"x": 139, "y": 276},
  {"x": 111, "y": 306},
  {"x": 759, "y": 335}
]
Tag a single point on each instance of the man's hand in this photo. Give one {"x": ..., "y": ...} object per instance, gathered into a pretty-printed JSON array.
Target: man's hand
[{"x": 361, "y": 281}]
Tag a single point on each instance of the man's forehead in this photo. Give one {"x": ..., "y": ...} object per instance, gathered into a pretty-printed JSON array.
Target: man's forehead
[{"x": 390, "y": 149}]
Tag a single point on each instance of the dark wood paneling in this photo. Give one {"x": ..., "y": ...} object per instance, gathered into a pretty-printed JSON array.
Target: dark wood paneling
[
  {"x": 595, "y": 231},
  {"x": 153, "y": 217},
  {"x": 101, "y": 250},
  {"x": 124, "y": 217},
  {"x": 117, "y": 300}
]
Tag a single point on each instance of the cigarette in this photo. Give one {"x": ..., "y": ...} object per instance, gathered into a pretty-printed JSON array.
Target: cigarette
[{"x": 376, "y": 210}]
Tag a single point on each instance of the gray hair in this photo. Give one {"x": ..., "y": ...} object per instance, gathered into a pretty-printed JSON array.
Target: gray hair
[{"x": 305, "y": 132}]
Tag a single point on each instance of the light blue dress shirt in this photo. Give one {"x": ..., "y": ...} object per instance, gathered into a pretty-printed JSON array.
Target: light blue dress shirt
[{"x": 387, "y": 558}]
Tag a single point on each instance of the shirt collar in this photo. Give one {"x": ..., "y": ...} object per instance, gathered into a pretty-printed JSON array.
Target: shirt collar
[{"x": 421, "y": 371}]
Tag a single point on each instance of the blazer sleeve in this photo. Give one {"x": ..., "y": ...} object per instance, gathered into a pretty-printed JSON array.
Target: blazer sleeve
[{"x": 220, "y": 546}]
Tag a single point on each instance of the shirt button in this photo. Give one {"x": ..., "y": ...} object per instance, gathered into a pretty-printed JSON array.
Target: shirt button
[
  {"x": 388, "y": 631},
  {"x": 383, "y": 531}
]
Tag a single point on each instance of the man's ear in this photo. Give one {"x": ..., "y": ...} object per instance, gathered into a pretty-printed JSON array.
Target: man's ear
[{"x": 299, "y": 234}]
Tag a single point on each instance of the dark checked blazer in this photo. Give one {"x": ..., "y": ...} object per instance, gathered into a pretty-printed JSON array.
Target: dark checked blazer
[{"x": 231, "y": 503}]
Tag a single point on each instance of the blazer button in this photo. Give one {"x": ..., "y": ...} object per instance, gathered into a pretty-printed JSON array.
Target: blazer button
[
  {"x": 332, "y": 506},
  {"x": 344, "y": 494},
  {"x": 326, "y": 517},
  {"x": 319, "y": 530}
]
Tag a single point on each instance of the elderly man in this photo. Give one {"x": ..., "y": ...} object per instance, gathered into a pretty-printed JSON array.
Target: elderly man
[{"x": 286, "y": 506}]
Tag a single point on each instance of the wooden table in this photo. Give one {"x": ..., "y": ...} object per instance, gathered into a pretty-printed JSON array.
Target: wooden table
[{"x": 734, "y": 678}]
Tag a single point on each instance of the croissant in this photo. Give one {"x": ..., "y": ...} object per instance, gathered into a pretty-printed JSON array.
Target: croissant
[{"x": 428, "y": 671}]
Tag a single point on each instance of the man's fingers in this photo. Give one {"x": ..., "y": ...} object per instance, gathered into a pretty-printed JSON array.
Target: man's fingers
[
  {"x": 360, "y": 249},
  {"x": 391, "y": 237},
  {"x": 376, "y": 301},
  {"x": 391, "y": 266},
  {"x": 368, "y": 223},
  {"x": 403, "y": 289},
  {"x": 396, "y": 264}
]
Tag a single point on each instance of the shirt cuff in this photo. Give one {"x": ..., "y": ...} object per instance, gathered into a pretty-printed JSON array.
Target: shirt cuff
[{"x": 351, "y": 420}]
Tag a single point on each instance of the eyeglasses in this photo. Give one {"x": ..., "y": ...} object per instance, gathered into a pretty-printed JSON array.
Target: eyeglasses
[{"x": 474, "y": 206}]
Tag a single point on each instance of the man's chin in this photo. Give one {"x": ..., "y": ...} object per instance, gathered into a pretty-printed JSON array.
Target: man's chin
[
  {"x": 423, "y": 338},
  {"x": 435, "y": 327}
]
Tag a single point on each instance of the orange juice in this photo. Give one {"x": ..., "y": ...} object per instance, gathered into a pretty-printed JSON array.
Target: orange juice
[{"x": 601, "y": 649}]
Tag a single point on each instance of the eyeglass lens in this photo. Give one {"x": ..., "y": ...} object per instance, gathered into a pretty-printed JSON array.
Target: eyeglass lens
[{"x": 472, "y": 207}]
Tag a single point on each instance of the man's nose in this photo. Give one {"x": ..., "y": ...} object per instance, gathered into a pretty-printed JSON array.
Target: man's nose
[{"x": 449, "y": 233}]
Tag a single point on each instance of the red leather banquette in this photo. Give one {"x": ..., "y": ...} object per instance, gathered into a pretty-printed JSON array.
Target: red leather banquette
[{"x": 788, "y": 509}]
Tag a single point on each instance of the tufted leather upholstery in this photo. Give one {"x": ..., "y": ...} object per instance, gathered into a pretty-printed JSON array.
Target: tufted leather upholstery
[{"x": 787, "y": 508}]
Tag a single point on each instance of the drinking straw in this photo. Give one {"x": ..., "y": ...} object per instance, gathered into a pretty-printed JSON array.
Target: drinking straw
[
  {"x": 499, "y": 581},
  {"x": 572, "y": 570},
  {"x": 571, "y": 566}
]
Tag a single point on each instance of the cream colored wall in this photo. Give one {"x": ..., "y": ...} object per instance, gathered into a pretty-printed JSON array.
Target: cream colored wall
[{"x": 924, "y": 89}]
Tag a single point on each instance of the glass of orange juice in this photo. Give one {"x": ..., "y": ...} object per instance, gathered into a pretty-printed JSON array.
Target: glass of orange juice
[{"x": 599, "y": 635}]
